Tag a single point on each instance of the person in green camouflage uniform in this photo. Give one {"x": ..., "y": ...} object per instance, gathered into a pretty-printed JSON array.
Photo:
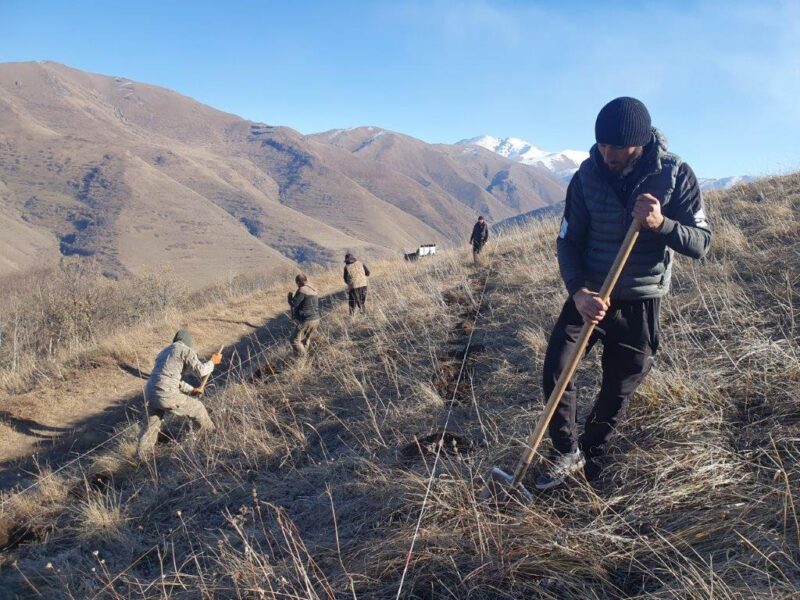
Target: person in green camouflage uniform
[{"x": 166, "y": 392}]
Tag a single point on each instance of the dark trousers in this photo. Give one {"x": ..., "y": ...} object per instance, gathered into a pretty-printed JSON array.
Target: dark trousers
[
  {"x": 477, "y": 248},
  {"x": 357, "y": 297},
  {"x": 629, "y": 333}
]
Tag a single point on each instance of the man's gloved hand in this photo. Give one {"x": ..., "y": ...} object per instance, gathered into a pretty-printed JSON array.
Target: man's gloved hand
[
  {"x": 589, "y": 304},
  {"x": 216, "y": 358},
  {"x": 196, "y": 392},
  {"x": 289, "y": 297}
]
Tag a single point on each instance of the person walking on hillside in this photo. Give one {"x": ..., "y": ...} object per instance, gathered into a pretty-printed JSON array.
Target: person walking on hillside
[
  {"x": 304, "y": 304},
  {"x": 480, "y": 233},
  {"x": 629, "y": 175},
  {"x": 166, "y": 392},
  {"x": 355, "y": 276}
]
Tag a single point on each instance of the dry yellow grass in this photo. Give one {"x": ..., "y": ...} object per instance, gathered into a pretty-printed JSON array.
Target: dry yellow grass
[{"x": 312, "y": 485}]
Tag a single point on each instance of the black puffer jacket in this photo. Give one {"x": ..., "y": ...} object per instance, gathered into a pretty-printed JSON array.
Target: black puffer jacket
[{"x": 597, "y": 215}]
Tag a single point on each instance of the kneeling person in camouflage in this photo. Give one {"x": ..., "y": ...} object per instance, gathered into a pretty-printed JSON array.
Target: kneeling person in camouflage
[{"x": 167, "y": 392}]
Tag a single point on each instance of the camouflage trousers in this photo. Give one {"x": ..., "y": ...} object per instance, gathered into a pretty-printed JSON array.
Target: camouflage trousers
[{"x": 179, "y": 404}]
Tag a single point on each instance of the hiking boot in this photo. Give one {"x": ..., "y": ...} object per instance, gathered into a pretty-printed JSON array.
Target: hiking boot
[
  {"x": 592, "y": 469},
  {"x": 593, "y": 455},
  {"x": 561, "y": 466}
]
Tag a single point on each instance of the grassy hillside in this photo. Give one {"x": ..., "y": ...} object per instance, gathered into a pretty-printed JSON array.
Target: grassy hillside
[{"x": 314, "y": 482}]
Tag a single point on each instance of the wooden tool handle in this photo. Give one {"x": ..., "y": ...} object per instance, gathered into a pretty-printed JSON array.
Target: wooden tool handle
[
  {"x": 580, "y": 347},
  {"x": 204, "y": 381}
]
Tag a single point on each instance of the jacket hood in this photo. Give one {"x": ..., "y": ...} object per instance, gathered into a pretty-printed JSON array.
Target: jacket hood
[
  {"x": 183, "y": 336},
  {"x": 307, "y": 290}
]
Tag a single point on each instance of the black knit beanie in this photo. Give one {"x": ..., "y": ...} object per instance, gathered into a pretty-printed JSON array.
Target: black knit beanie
[{"x": 623, "y": 122}]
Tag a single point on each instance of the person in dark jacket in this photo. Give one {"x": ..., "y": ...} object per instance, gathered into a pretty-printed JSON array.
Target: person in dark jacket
[
  {"x": 355, "y": 276},
  {"x": 304, "y": 304},
  {"x": 480, "y": 233},
  {"x": 629, "y": 175}
]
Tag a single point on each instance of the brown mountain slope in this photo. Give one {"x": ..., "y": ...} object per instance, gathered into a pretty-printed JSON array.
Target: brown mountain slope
[
  {"x": 475, "y": 177},
  {"x": 138, "y": 176},
  {"x": 22, "y": 245}
]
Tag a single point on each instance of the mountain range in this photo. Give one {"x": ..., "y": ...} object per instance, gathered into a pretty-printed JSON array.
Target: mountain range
[
  {"x": 137, "y": 177},
  {"x": 723, "y": 183},
  {"x": 565, "y": 162}
]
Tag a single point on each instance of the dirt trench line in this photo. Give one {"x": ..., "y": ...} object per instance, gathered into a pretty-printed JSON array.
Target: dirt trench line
[{"x": 464, "y": 345}]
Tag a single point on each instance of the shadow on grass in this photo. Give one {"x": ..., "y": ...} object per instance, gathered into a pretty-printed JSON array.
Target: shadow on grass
[
  {"x": 131, "y": 370},
  {"x": 29, "y": 426},
  {"x": 234, "y": 322}
]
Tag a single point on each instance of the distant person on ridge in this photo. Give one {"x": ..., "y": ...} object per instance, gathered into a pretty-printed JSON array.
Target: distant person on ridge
[
  {"x": 628, "y": 175},
  {"x": 167, "y": 392},
  {"x": 480, "y": 233},
  {"x": 304, "y": 304},
  {"x": 355, "y": 276}
]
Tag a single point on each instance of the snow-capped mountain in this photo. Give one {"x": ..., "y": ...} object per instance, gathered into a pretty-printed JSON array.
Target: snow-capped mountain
[
  {"x": 723, "y": 183},
  {"x": 563, "y": 163}
]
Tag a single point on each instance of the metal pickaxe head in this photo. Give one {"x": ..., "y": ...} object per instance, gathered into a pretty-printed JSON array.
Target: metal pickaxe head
[{"x": 500, "y": 489}]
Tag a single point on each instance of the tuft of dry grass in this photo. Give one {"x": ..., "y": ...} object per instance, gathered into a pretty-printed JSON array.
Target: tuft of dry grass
[
  {"x": 100, "y": 515},
  {"x": 308, "y": 489}
]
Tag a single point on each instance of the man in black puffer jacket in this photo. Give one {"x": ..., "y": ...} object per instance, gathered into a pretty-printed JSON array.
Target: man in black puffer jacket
[{"x": 629, "y": 175}]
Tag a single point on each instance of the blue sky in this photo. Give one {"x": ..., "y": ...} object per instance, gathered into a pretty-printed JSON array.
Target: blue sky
[{"x": 721, "y": 79}]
